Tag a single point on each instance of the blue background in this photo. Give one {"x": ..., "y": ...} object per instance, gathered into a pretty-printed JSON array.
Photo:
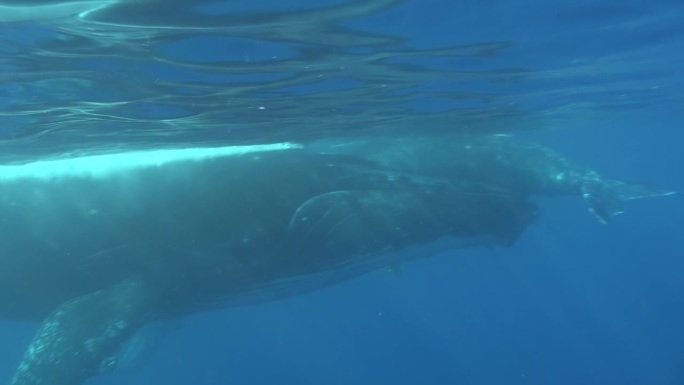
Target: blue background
[{"x": 572, "y": 302}]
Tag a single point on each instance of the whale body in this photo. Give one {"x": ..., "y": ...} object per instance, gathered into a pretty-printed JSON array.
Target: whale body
[{"x": 96, "y": 247}]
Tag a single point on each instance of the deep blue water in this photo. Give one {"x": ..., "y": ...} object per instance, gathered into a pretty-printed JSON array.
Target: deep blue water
[{"x": 572, "y": 302}]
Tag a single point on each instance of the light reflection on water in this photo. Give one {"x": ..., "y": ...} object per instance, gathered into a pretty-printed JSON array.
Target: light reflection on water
[{"x": 91, "y": 74}]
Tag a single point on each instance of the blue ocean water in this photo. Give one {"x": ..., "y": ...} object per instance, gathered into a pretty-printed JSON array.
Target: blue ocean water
[{"x": 573, "y": 301}]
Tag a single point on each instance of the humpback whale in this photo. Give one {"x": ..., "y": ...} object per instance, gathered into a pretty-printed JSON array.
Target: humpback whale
[
  {"x": 95, "y": 247},
  {"x": 527, "y": 168}
]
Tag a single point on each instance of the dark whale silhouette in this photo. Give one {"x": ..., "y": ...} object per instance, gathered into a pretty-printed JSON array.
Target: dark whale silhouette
[
  {"x": 95, "y": 247},
  {"x": 527, "y": 168}
]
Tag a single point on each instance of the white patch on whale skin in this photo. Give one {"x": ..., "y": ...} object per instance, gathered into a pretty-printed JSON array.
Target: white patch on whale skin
[{"x": 100, "y": 166}]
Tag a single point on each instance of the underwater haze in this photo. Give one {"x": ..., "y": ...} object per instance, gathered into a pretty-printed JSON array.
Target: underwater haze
[{"x": 571, "y": 301}]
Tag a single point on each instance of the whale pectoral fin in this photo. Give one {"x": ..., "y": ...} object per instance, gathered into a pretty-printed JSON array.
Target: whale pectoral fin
[
  {"x": 79, "y": 338},
  {"x": 355, "y": 222},
  {"x": 606, "y": 198},
  {"x": 343, "y": 223}
]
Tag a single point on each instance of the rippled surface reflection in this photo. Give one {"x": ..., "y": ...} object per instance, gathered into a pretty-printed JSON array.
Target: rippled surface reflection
[{"x": 92, "y": 74}]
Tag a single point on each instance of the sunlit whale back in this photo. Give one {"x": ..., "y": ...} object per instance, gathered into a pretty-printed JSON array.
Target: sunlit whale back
[{"x": 103, "y": 165}]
